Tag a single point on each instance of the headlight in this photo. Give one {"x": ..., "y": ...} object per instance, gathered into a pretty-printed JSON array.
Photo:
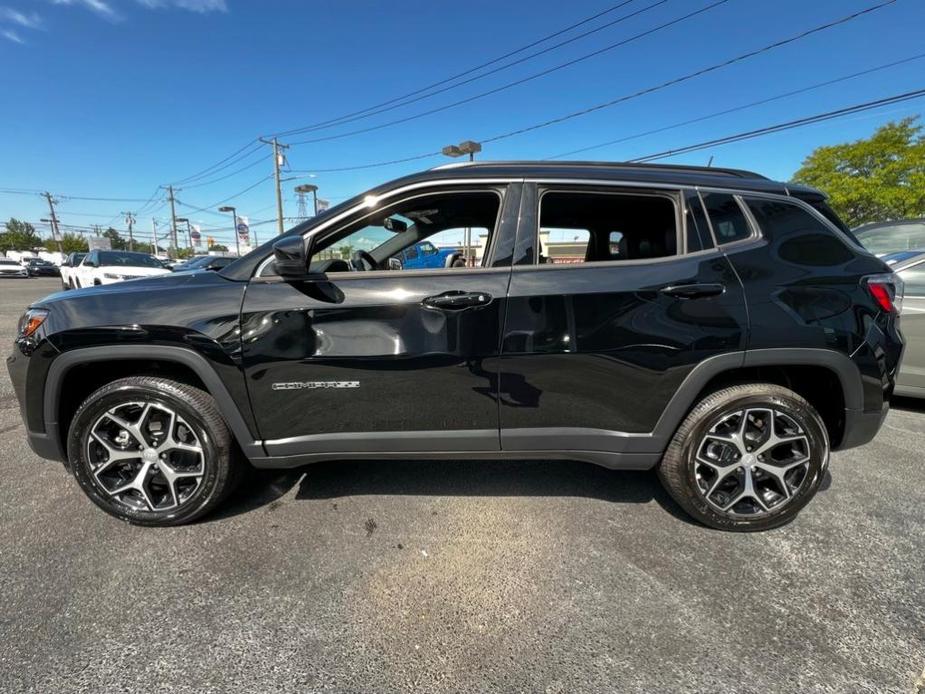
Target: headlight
[
  {"x": 113, "y": 276},
  {"x": 31, "y": 321}
]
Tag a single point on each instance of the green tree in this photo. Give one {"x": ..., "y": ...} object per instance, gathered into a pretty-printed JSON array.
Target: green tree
[
  {"x": 346, "y": 251},
  {"x": 19, "y": 236},
  {"x": 877, "y": 179},
  {"x": 117, "y": 242},
  {"x": 70, "y": 243}
]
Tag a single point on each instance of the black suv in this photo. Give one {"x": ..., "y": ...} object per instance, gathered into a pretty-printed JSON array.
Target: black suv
[{"x": 722, "y": 328}]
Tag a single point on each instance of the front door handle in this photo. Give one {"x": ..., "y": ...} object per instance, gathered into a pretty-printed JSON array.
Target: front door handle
[
  {"x": 455, "y": 301},
  {"x": 693, "y": 291}
]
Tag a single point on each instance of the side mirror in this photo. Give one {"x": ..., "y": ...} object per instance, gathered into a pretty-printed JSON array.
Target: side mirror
[
  {"x": 291, "y": 257},
  {"x": 394, "y": 263}
]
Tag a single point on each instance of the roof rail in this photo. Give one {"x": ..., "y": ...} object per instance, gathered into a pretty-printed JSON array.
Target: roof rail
[{"x": 680, "y": 168}]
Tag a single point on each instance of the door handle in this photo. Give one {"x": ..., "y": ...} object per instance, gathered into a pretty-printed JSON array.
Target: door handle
[
  {"x": 693, "y": 291},
  {"x": 456, "y": 301}
]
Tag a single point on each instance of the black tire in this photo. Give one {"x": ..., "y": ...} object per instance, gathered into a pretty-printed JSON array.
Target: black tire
[
  {"x": 458, "y": 262},
  {"x": 194, "y": 408},
  {"x": 678, "y": 470}
]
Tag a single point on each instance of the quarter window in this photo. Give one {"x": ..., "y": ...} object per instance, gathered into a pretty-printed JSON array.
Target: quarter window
[
  {"x": 728, "y": 219},
  {"x": 587, "y": 227}
]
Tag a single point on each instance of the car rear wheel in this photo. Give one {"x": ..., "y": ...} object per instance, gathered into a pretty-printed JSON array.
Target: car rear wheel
[
  {"x": 748, "y": 457},
  {"x": 152, "y": 451}
]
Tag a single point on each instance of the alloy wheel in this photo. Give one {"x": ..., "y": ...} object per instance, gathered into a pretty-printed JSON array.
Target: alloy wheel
[
  {"x": 145, "y": 456},
  {"x": 752, "y": 462}
]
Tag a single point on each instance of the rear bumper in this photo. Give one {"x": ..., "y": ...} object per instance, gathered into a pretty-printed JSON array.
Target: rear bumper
[{"x": 861, "y": 427}]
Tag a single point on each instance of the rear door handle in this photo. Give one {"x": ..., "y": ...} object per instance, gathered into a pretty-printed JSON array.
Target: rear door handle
[
  {"x": 693, "y": 291},
  {"x": 456, "y": 301}
]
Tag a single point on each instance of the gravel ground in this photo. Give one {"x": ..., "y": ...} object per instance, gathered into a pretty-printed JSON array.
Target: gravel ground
[{"x": 480, "y": 576}]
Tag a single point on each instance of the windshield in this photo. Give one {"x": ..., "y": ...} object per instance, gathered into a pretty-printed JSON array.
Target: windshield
[{"x": 128, "y": 259}]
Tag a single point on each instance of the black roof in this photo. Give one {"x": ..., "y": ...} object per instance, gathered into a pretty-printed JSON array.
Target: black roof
[{"x": 623, "y": 171}]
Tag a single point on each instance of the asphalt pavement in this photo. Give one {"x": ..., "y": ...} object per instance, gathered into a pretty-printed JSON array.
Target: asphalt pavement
[{"x": 461, "y": 577}]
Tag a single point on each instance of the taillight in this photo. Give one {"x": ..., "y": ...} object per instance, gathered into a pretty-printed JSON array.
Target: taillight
[{"x": 886, "y": 290}]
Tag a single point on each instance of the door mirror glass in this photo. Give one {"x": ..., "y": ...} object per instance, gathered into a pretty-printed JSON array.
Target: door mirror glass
[
  {"x": 394, "y": 263},
  {"x": 291, "y": 257}
]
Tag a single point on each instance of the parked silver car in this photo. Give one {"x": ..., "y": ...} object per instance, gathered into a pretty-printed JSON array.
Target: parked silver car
[
  {"x": 889, "y": 237},
  {"x": 910, "y": 266}
]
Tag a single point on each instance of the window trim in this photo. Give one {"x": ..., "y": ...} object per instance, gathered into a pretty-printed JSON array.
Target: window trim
[
  {"x": 496, "y": 186},
  {"x": 434, "y": 185},
  {"x": 586, "y": 188}
]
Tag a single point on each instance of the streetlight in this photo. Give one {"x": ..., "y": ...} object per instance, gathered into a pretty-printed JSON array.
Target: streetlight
[
  {"x": 234, "y": 225},
  {"x": 309, "y": 188},
  {"x": 189, "y": 233},
  {"x": 469, "y": 147}
]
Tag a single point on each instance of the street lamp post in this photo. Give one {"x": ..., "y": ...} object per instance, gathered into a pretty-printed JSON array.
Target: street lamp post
[
  {"x": 234, "y": 225},
  {"x": 469, "y": 147}
]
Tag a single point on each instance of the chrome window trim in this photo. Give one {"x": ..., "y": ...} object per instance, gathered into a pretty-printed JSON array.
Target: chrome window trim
[
  {"x": 672, "y": 196},
  {"x": 328, "y": 223}
]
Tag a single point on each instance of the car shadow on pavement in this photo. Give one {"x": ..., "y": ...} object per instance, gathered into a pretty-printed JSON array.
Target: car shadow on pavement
[{"x": 336, "y": 479}]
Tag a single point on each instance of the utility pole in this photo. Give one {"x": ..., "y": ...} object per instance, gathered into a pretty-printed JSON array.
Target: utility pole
[
  {"x": 130, "y": 220},
  {"x": 96, "y": 229},
  {"x": 54, "y": 220},
  {"x": 154, "y": 235},
  {"x": 277, "y": 163},
  {"x": 173, "y": 221}
]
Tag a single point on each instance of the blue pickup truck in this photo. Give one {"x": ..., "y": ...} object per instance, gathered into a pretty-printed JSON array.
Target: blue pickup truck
[{"x": 426, "y": 255}]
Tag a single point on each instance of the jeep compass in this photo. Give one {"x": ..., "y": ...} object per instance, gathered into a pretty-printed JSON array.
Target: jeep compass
[{"x": 724, "y": 329}]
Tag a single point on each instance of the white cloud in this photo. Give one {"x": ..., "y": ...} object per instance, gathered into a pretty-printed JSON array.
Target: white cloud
[
  {"x": 200, "y": 6},
  {"x": 32, "y": 20},
  {"x": 11, "y": 35},
  {"x": 100, "y": 7}
]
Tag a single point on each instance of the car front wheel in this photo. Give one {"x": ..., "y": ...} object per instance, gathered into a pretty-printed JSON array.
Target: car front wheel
[
  {"x": 747, "y": 457},
  {"x": 152, "y": 451}
]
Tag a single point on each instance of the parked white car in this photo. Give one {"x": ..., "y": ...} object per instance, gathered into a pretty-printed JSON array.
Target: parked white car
[
  {"x": 12, "y": 268},
  {"x": 106, "y": 267},
  {"x": 69, "y": 270}
]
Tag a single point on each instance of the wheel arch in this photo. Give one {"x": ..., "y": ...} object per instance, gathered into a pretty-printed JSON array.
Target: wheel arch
[
  {"x": 828, "y": 379},
  {"x": 178, "y": 363}
]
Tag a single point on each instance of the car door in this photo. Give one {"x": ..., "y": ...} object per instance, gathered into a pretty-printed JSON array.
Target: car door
[
  {"x": 616, "y": 294},
  {"x": 380, "y": 361},
  {"x": 912, "y": 369}
]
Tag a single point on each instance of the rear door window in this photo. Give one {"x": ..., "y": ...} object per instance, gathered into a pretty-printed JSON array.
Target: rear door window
[{"x": 588, "y": 227}]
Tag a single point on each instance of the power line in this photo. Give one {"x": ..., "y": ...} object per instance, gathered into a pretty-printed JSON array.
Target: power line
[
  {"x": 209, "y": 208},
  {"x": 404, "y": 101},
  {"x": 523, "y": 80},
  {"x": 211, "y": 169},
  {"x": 226, "y": 176},
  {"x": 473, "y": 69},
  {"x": 628, "y": 97},
  {"x": 743, "y": 107},
  {"x": 789, "y": 125}
]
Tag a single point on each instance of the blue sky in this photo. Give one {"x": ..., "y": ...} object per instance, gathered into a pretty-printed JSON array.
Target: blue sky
[{"x": 111, "y": 98}]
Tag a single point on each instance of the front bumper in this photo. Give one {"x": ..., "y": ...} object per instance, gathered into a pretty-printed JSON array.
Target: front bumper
[{"x": 45, "y": 444}]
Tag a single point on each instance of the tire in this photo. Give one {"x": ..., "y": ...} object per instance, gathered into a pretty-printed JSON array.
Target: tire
[
  {"x": 706, "y": 467},
  {"x": 458, "y": 262},
  {"x": 180, "y": 473}
]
